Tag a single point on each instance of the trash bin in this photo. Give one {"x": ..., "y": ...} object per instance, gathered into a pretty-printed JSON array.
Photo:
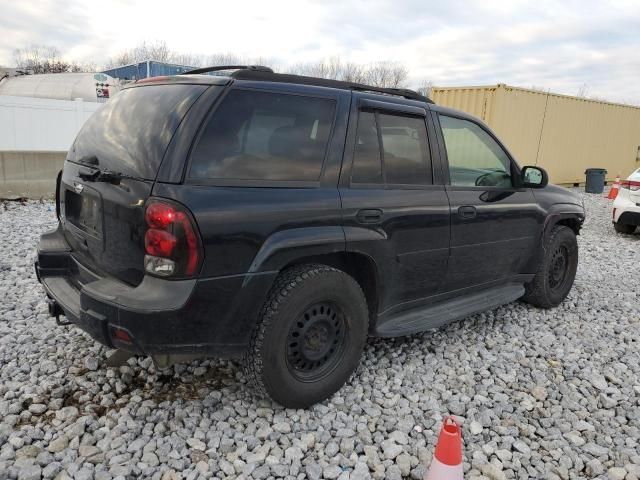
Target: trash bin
[{"x": 595, "y": 180}]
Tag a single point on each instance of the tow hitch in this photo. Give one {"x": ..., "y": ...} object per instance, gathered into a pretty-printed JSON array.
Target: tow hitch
[{"x": 55, "y": 310}]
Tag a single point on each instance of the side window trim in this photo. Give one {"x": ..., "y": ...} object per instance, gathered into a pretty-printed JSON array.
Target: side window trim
[
  {"x": 391, "y": 108},
  {"x": 187, "y": 179},
  {"x": 438, "y": 156},
  {"x": 351, "y": 182},
  {"x": 513, "y": 166},
  {"x": 383, "y": 165}
]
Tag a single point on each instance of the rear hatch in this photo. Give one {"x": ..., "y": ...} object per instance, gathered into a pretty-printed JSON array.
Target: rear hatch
[{"x": 109, "y": 174}]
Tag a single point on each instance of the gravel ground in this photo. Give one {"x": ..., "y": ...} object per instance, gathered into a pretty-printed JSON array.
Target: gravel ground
[{"x": 543, "y": 394}]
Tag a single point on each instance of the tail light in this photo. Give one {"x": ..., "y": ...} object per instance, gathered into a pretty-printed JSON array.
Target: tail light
[
  {"x": 632, "y": 185},
  {"x": 172, "y": 242}
]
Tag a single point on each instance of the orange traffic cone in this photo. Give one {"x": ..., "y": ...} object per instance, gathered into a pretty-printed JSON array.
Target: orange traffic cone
[
  {"x": 447, "y": 459},
  {"x": 613, "y": 193}
]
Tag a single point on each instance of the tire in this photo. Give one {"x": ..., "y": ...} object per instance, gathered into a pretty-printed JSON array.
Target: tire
[
  {"x": 622, "y": 228},
  {"x": 556, "y": 272},
  {"x": 310, "y": 336}
]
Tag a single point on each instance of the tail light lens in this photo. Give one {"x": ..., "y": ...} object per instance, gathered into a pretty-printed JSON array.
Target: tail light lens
[
  {"x": 159, "y": 243},
  {"x": 172, "y": 242},
  {"x": 632, "y": 185}
]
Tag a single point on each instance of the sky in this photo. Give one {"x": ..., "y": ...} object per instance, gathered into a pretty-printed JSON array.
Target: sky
[{"x": 565, "y": 46}]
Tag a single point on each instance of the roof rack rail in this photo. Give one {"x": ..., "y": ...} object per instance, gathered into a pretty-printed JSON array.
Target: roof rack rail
[
  {"x": 218, "y": 68},
  {"x": 270, "y": 76}
]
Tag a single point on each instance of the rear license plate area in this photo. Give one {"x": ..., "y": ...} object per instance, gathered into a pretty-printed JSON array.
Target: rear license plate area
[{"x": 84, "y": 211}]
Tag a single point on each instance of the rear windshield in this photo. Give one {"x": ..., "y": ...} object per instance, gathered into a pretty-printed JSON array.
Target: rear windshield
[{"x": 132, "y": 131}]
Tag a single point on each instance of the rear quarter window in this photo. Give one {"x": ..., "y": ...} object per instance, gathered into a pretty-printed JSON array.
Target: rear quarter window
[{"x": 264, "y": 136}]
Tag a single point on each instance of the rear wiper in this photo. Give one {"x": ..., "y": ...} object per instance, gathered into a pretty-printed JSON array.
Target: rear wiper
[{"x": 108, "y": 176}]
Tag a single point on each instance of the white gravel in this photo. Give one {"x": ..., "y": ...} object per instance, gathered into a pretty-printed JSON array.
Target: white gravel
[{"x": 543, "y": 394}]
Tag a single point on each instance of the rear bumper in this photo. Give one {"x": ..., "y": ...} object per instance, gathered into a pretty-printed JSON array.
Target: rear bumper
[
  {"x": 629, "y": 218},
  {"x": 203, "y": 317},
  {"x": 627, "y": 211}
]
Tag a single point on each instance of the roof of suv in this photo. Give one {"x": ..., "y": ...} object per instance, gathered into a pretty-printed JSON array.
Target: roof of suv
[{"x": 265, "y": 74}]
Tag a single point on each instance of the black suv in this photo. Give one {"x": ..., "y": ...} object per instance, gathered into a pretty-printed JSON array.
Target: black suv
[{"x": 283, "y": 219}]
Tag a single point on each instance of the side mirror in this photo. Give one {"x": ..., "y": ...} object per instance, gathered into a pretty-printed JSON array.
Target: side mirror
[{"x": 534, "y": 177}]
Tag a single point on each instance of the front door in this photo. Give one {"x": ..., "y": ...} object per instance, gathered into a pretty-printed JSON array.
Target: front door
[
  {"x": 393, "y": 209},
  {"x": 495, "y": 225}
]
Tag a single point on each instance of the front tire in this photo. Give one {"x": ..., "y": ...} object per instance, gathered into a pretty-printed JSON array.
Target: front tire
[
  {"x": 310, "y": 336},
  {"x": 622, "y": 228},
  {"x": 556, "y": 272}
]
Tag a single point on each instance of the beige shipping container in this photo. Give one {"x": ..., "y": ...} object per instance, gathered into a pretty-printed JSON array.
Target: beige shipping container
[{"x": 565, "y": 135}]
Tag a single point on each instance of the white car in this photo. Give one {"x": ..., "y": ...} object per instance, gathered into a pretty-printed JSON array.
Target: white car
[{"x": 626, "y": 207}]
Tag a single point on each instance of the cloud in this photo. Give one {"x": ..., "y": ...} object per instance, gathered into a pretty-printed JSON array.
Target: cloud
[{"x": 556, "y": 45}]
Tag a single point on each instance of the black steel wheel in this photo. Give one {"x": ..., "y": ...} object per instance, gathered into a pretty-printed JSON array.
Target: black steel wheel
[
  {"x": 310, "y": 336},
  {"x": 558, "y": 267},
  {"x": 557, "y": 270},
  {"x": 316, "y": 342}
]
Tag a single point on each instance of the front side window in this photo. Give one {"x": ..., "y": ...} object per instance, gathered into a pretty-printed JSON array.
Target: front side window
[
  {"x": 475, "y": 158},
  {"x": 264, "y": 136},
  {"x": 393, "y": 147}
]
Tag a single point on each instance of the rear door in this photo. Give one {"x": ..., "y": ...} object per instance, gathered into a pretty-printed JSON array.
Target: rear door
[
  {"x": 395, "y": 209},
  {"x": 103, "y": 220},
  {"x": 495, "y": 225}
]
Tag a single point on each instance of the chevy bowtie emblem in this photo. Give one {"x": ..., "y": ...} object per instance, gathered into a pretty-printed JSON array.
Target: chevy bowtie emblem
[{"x": 78, "y": 187}]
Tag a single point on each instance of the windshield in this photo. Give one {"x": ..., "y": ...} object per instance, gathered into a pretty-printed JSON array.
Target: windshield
[{"x": 131, "y": 132}]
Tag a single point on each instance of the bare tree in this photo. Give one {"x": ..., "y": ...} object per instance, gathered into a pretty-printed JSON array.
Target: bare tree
[
  {"x": 583, "y": 91},
  {"x": 188, "y": 59},
  {"x": 46, "y": 59},
  {"x": 353, "y": 72},
  {"x": 330, "y": 68},
  {"x": 379, "y": 74},
  {"x": 224, "y": 59},
  {"x": 158, "y": 51},
  {"x": 387, "y": 74},
  {"x": 229, "y": 58},
  {"x": 424, "y": 88}
]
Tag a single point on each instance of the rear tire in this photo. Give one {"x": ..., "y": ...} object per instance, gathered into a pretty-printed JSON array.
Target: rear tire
[
  {"x": 622, "y": 228},
  {"x": 310, "y": 336},
  {"x": 556, "y": 272}
]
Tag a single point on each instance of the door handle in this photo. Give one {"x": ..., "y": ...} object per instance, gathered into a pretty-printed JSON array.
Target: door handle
[
  {"x": 369, "y": 215},
  {"x": 467, "y": 211}
]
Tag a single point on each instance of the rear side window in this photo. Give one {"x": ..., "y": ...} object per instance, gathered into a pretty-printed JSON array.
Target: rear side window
[
  {"x": 405, "y": 149},
  {"x": 131, "y": 132},
  {"x": 391, "y": 147},
  {"x": 264, "y": 136}
]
